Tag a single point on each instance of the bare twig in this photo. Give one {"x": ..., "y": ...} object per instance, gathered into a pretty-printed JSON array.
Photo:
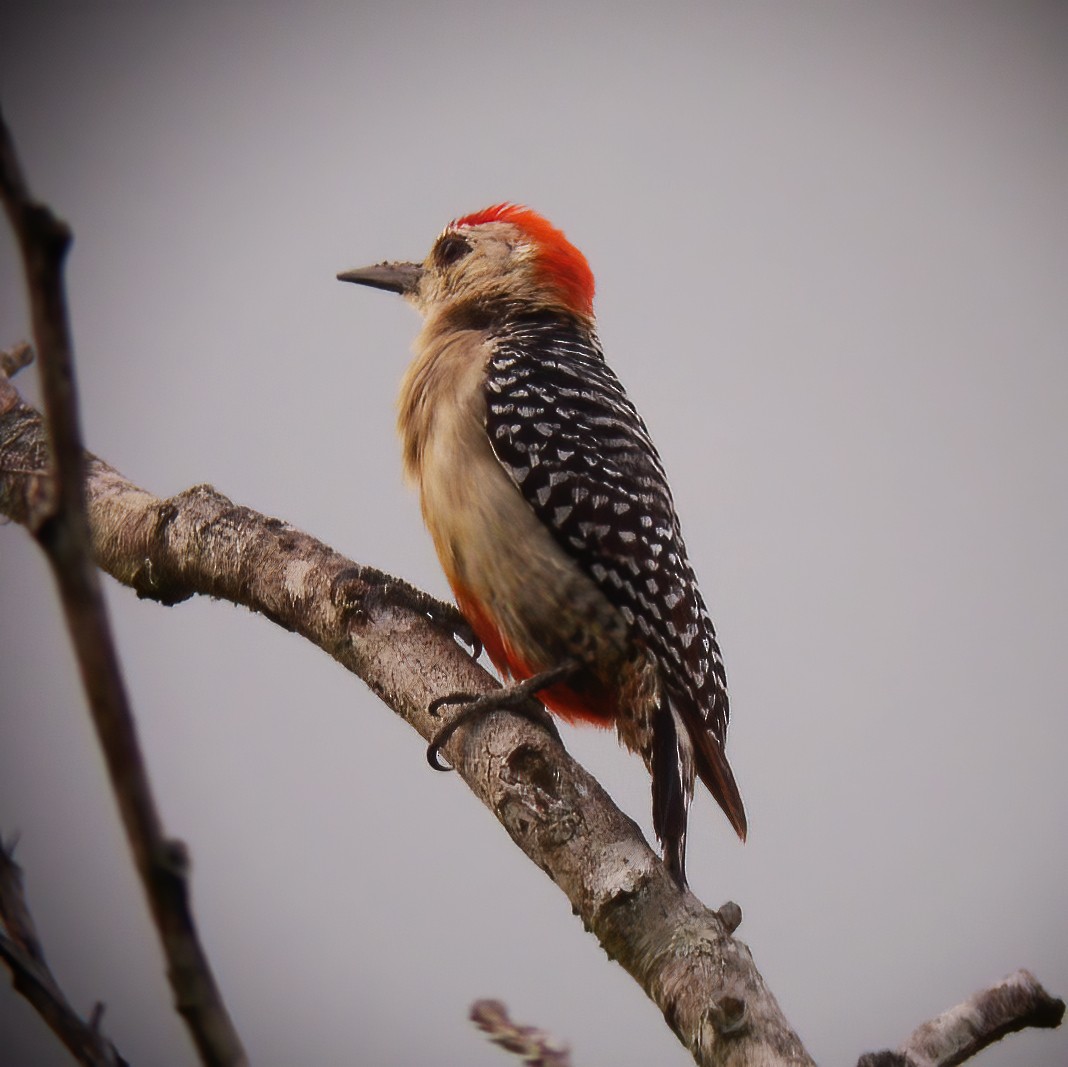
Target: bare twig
[
  {"x": 534, "y": 1047},
  {"x": 14, "y": 359},
  {"x": 20, "y": 949},
  {"x": 956, "y": 1035},
  {"x": 58, "y": 521}
]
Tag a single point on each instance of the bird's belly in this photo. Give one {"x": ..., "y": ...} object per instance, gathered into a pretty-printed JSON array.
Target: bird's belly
[{"x": 530, "y": 603}]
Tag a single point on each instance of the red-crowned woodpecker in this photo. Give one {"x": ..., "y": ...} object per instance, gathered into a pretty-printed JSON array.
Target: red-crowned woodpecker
[{"x": 549, "y": 507}]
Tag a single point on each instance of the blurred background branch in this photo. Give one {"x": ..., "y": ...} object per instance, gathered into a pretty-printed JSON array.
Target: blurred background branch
[
  {"x": 57, "y": 518},
  {"x": 22, "y": 952}
]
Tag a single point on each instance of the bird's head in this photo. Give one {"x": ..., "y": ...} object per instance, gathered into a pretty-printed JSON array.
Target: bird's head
[{"x": 501, "y": 256}]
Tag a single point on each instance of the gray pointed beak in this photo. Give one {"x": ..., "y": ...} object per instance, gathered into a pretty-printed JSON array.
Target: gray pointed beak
[{"x": 400, "y": 278}]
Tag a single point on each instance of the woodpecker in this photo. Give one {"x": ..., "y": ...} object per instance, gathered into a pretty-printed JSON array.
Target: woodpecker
[{"x": 549, "y": 507}]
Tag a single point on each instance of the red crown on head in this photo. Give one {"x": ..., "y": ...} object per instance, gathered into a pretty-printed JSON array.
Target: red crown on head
[{"x": 560, "y": 262}]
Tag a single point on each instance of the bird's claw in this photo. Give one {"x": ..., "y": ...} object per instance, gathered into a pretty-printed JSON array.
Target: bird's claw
[
  {"x": 513, "y": 698},
  {"x": 475, "y": 706}
]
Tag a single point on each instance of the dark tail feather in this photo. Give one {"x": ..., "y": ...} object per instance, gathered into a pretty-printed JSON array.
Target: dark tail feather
[
  {"x": 716, "y": 773},
  {"x": 671, "y": 792}
]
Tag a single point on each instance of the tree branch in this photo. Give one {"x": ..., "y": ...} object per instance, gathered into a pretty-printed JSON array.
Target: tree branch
[
  {"x": 680, "y": 952},
  {"x": 56, "y": 516},
  {"x": 964, "y": 1031},
  {"x": 20, "y": 949},
  {"x": 534, "y": 1047}
]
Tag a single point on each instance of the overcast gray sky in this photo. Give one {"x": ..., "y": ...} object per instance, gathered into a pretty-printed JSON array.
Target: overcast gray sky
[{"x": 831, "y": 243}]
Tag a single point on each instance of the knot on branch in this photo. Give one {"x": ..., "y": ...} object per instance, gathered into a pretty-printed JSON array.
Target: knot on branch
[
  {"x": 349, "y": 592},
  {"x": 533, "y": 803},
  {"x": 200, "y": 498},
  {"x": 730, "y": 914},
  {"x": 176, "y": 857},
  {"x": 728, "y": 1014},
  {"x": 38, "y": 224}
]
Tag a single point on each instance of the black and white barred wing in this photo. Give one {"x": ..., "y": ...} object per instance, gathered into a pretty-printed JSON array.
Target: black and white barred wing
[{"x": 562, "y": 426}]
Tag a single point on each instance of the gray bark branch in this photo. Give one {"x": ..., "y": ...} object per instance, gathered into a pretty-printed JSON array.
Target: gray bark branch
[
  {"x": 199, "y": 542},
  {"x": 964, "y": 1031}
]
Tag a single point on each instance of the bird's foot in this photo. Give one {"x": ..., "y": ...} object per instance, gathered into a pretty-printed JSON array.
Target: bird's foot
[{"x": 513, "y": 698}]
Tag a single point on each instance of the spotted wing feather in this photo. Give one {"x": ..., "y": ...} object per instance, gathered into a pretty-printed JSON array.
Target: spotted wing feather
[{"x": 562, "y": 426}]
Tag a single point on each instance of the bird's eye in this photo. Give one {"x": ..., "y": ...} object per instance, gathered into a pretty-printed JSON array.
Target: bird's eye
[{"x": 451, "y": 248}]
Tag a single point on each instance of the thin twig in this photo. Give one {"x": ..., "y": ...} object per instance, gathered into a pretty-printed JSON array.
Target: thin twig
[
  {"x": 20, "y": 949},
  {"x": 60, "y": 525},
  {"x": 534, "y": 1047},
  {"x": 14, "y": 359}
]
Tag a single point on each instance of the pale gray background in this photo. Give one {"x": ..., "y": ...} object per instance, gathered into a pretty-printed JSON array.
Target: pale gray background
[{"x": 830, "y": 243}]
